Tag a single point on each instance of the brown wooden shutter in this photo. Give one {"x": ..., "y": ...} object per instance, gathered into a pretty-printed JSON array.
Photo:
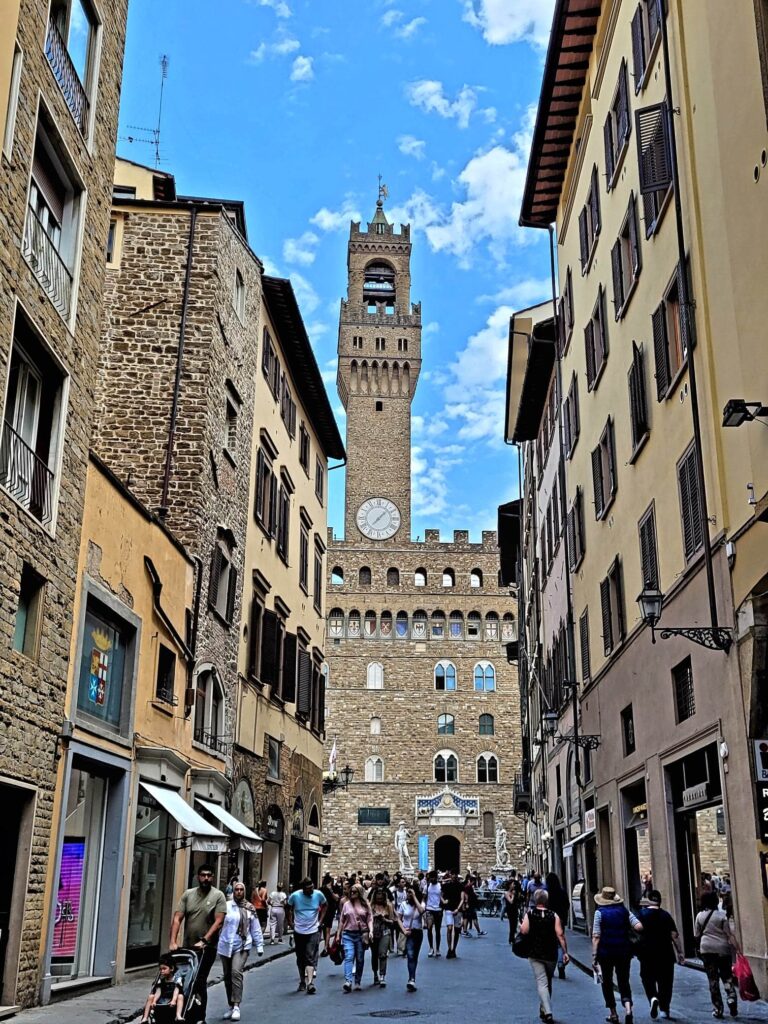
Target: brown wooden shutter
[
  {"x": 217, "y": 560},
  {"x": 648, "y": 552},
  {"x": 617, "y": 579},
  {"x": 321, "y": 704},
  {"x": 618, "y": 281},
  {"x": 569, "y": 299},
  {"x": 597, "y": 481},
  {"x": 624, "y": 123},
  {"x": 579, "y": 520},
  {"x": 231, "y": 593},
  {"x": 653, "y": 153},
  {"x": 653, "y": 22},
  {"x": 571, "y": 534},
  {"x": 584, "y": 644},
  {"x": 567, "y": 424},
  {"x": 272, "y": 504},
  {"x": 660, "y": 352},
  {"x": 690, "y": 504},
  {"x": 575, "y": 408},
  {"x": 605, "y": 608},
  {"x": 594, "y": 202},
  {"x": 610, "y": 441},
  {"x": 258, "y": 504},
  {"x": 589, "y": 347},
  {"x": 649, "y": 211},
  {"x": 638, "y": 47},
  {"x": 583, "y": 239},
  {"x": 634, "y": 238},
  {"x": 254, "y": 638},
  {"x": 608, "y": 144},
  {"x": 289, "y": 668},
  {"x": 304, "y": 693},
  {"x": 687, "y": 322},
  {"x": 603, "y": 321},
  {"x": 269, "y": 639}
]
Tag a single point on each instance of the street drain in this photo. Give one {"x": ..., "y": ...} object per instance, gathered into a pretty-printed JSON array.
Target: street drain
[{"x": 394, "y": 1013}]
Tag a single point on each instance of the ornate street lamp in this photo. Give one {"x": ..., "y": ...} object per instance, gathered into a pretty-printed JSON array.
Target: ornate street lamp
[
  {"x": 337, "y": 780},
  {"x": 650, "y": 602}
]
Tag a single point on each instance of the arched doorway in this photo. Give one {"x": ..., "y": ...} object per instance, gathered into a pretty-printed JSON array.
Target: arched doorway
[{"x": 447, "y": 853}]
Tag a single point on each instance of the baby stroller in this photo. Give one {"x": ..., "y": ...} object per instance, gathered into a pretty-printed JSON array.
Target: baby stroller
[{"x": 185, "y": 975}]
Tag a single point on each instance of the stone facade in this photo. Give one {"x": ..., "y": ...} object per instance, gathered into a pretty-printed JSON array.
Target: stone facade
[
  {"x": 421, "y": 638},
  {"x": 41, "y": 507}
]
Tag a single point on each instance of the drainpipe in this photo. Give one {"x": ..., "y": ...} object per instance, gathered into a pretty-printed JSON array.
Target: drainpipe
[
  {"x": 195, "y": 629},
  {"x": 163, "y": 509}
]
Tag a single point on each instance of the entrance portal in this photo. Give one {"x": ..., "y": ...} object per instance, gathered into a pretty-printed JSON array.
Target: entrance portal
[{"x": 447, "y": 854}]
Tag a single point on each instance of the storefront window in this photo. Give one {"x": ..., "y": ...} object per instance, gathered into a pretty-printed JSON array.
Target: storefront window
[
  {"x": 102, "y": 688},
  {"x": 151, "y": 853}
]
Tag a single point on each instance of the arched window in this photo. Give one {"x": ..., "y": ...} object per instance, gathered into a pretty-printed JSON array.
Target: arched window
[
  {"x": 419, "y": 625},
  {"x": 375, "y": 727},
  {"x": 508, "y": 630},
  {"x": 456, "y": 626},
  {"x": 337, "y": 576},
  {"x": 375, "y": 676},
  {"x": 449, "y": 578},
  {"x": 445, "y": 675},
  {"x": 491, "y": 626},
  {"x": 487, "y": 768},
  {"x": 393, "y": 577},
  {"x": 209, "y": 711},
  {"x": 474, "y": 623},
  {"x": 420, "y": 578},
  {"x": 336, "y": 623},
  {"x": 379, "y": 284},
  {"x": 385, "y": 625},
  {"x": 476, "y": 578},
  {"x": 314, "y": 817},
  {"x": 374, "y": 769},
  {"x": 445, "y": 725},
  {"x": 438, "y": 625},
  {"x": 489, "y": 825},
  {"x": 485, "y": 676},
  {"x": 401, "y": 626},
  {"x": 446, "y": 766},
  {"x": 353, "y": 623},
  {"x": 364, "y": 576},
  {"x": 369, "y": 624},
  {"x": 486, "y": 725}
]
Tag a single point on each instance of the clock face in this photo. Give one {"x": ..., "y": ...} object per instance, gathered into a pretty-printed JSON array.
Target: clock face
[{"x": 378, "y": 518}]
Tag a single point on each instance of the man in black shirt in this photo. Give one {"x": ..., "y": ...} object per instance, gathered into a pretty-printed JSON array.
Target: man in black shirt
[
  {"x": 660, "y": 949},
  {"x": 453, "y": 901}
]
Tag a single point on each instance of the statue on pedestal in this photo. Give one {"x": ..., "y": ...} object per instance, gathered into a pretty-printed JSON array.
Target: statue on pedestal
[
  {"x": 401, "y": 845},
  {"x": 502, "y": 853}
]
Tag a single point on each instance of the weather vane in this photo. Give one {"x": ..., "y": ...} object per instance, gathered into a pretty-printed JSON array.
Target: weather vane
[{"x": 383, "y": 192}]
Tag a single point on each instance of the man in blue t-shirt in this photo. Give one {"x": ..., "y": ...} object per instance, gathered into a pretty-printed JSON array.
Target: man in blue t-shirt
[{"x": 304, "y": 910}]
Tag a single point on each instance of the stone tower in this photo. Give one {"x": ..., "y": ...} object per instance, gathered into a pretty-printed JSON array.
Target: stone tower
[{"x": 379, "y": 362}]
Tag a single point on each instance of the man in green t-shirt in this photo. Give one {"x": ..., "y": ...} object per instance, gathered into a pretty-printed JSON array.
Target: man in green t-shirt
[{"x": 202, "y": 909}]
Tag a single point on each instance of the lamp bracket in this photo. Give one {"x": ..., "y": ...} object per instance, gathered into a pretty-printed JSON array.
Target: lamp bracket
[{"x": 719, "y": 639}]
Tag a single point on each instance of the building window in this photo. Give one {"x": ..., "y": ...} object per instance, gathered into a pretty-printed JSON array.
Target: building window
[
  {"x": 449, "y": 578},
  {"x": 319, "y": 481},
  {"x": 446, "y": 766},
  {"x": 357, "y": 341},
  {"x": 222, "y": 588},
  {"x": 589, "y": 222},
  {"x": 628, "y": 730},
  {"x": 364, "y": 576},
  {"x": 489, "y": 827},
  {"x": 29, "y": 613},
  {"x": 255, "y": 637},
  {"x": 111, "y": 241},
  {"x": 586, "y": 671},
  {"x": 105, "y": 683},
  {"x": 445, "y": 675},
  {"x": 337, "y": 576},
  {"x": 486, "y": 727},
  {"x": 456, "y": 625},
  {"x": 273, "y": 758},
  {"x": 596, "y": 341},
  {"x": 317, "y": 588},
  {"x": 238, "y": 295},
  {"x": 230, "y": 428},
  {"x": 445, "y": 725},
  {"x": 690, "y": 503},
  {"x": 209, "y": 712},
  {"x": 304, "y": 445},
  {"x": 353, "y": 624},
  {"x": 13, "y": 101},
  {"x": 649, "y": 558},
  {"x": 669, "y": 348},
  {"x": 268, "y": 357},
  {"x": 374, "y": 679},
  {"x": 304, "y": 559},
  {"x": 385, "y": 625},
  {"x": 575, "y": 529},
  {"x": 438, "y": 625},
  {"x": 638, "y": 405},
  {"x": 420, "y": 578},
  {"x": 369, "y": 624},
  {"x": 571, "y": 420},
  {"x": 485, "y": 676},
  {"x": 617, "y": 128},
  {"x": 419, "y": 625},
  {"x": 492, "y": 626},
  {"x": 685, "y": 699},
  {"x": 375, "y": 727},
  {"x": 626, "y": 260},
  {"x": 166, "y": 675},
  {"x": 487, "y": 768},
  {"x": 645, "y": 30},
  {"x": 474, "y": 625},
  {"x": 265, "y": 501},
  {"x": 612, "y": 608},
  {"x": 566, "y": 318},
  {"x": 287, "y": 407},
  {"x": 393, "y": 578},
  {"x": 374, "y": 769},
  {"x": 70, "y": 47},
  {"x": 604, "y": 471},
  {"x": 402, "y": 344},
  {"x": 381, "y": 344},
  {"x": 508, "y": 628},
  {"x": 273, "y": 643},
  {"x": 336, "y": 623},
  {"x": 476, "y": 578}
]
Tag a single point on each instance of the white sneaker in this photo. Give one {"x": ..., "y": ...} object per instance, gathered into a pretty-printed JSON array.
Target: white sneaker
[
  {"x": 228, "y": 1014},
  {"x": 235, "y": 1015}
]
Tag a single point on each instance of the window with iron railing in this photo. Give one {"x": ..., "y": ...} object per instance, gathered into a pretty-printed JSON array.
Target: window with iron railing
[{"x": 70, "y": 47}]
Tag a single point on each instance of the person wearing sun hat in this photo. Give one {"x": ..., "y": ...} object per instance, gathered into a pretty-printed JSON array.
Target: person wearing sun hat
[{"x": 611, "y": 949}]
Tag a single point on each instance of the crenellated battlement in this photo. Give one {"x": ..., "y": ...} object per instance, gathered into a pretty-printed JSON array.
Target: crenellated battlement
[{"x": 432, "y": 541}]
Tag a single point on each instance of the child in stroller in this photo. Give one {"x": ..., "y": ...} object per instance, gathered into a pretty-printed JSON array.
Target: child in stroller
[{"x": 173, "y": 986}]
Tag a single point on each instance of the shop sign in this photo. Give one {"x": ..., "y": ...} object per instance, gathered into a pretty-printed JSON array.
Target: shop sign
[
  {"x": 640, "y": 809},
  {"x": 576, "y": 904},
  {"x": 762, "y": 810},
  {"x": 696, "y": 794},
  {"x": 590, "y": 820},
  {"x": 273, "y": 829},
  {"x": 761, "y": 760}
]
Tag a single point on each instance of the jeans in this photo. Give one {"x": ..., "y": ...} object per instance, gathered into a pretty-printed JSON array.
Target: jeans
[
  {"x": 206, "y": 958},
  {"x": 380, "y": 953},
  {"x": 621, "y": 964},
  {"x": 543, "y": 971},
  {"x": 413, "y": 943},
  {"x": 354, "y": 956},
  {"x": 306, "y": 948},
  {"x": 718, "y": 968},
  {"x": 232, "y": 967},
  {"x": 657, "y": 976}
]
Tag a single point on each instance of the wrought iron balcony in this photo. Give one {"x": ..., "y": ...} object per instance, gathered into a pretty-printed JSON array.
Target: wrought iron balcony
[
  {"x": 522, "y": 794},
  {"x": 25, "y": 476},
  {"x": 48, "y": 266},
  {"x": 66, "y": 75},
  {"x": 211, "y": 740}
]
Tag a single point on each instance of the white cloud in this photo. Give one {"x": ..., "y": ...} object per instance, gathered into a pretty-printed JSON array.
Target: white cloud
[
  {"x": 336, "y": 220},
  {"x": 511, "y": 21},
  {"x": 306, "y": 296},
  {"x": 302, "y": 70},
  {"x": 395, "y": 19},
  {"x": 430, "y": 97},
  {"x": 328, "y": 372},
  {"x": 430, "y": 467},
  {"x": 391, "y": 17},
  {"x": 280, "y": 7},
  {"x": 522, "y": 294},
  {"x": 283, "y": 46},
  {"x": 409, "y": 145},
  {"x": 301, "y": 250},
  {"x": 410, "y": 28}
]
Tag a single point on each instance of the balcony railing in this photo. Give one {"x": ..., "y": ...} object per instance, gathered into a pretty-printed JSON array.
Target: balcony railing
[
  {"x": 211, "y": 740},
  {"x": 48, "y": 266},
  {"x": 522, "y": 795},
  {"x": 25, "y": 476},
  {"x": 67, "y": 77}
]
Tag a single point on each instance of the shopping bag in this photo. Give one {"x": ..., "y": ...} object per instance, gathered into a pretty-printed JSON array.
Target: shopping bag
[{"x": 743, "y": 973}]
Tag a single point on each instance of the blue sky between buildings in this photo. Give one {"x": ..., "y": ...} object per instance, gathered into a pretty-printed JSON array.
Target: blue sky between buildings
[{"x": 295, "y": 107}]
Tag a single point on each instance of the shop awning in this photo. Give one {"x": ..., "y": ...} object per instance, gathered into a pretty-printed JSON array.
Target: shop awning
[
  {"x": 568, "y": 848},
  {"x": 245, "y": 838},
  {"x": 205, "y": 838}
]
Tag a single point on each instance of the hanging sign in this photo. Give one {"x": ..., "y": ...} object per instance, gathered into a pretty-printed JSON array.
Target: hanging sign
[{"x": 761, "y": 760}]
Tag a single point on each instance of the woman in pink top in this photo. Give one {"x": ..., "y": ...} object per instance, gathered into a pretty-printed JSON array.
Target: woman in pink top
[{"x": 355, "y": 923}]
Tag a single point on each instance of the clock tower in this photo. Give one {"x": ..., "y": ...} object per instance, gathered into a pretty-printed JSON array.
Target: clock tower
[{"x": 379, "y": 361}]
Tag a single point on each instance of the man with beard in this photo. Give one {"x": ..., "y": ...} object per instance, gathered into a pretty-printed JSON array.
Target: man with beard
[{"x": 202, "y": 909}]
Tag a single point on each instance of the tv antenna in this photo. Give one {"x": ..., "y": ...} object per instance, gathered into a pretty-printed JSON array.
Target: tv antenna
[{"x": 151, "y": 136}]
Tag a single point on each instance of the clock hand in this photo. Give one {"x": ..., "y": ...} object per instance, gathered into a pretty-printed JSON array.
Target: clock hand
[{"x": 379, "y": 518}]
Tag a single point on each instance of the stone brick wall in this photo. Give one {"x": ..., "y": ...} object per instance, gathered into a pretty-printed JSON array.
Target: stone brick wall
[{"x": 32, "y": 691}]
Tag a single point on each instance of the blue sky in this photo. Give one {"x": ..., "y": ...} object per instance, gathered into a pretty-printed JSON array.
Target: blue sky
[{"x": 295, "y": 107}]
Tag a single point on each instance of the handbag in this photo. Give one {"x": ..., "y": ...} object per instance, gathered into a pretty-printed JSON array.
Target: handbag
[
  {"x": 335, "y": 952},
  {"x": 698, "y": 938},
  {"x": 521, "y": 945},
  {"x": 743, "y": 972}
]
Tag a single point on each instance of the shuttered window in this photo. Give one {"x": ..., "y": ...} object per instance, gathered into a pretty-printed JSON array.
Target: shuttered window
[
  {"x": 589, "y": 222},
  {"x": 638, "y": 405},
  {"x": 222, "y": 585},
  {"x": 304, "y": 691},
  {"x": 612, "y": 607},
  {"x": 254, "y": 638},
  {"x": 575, "y": 528},
  {"x": 304, "y": 559},
  {"x": 269, "y": 648},
  {"x": 288, "y": 682},
  {"x": 653, "y": 149},
  {"x": 604, "y": 471},
  {"x": 317, "y": 590},
  {"x": 649, "y": 558},
  {"x": 690, "y": 503},
  {"x": 571, "y": 421},
  {"x": 669, "y": 337},
  {"x": 283, "y": 523},
  {"x": 645, "y": 30},
  {"x": 617, "y": 127},
  {"x": 626, "y": 260},
  {"x": 596, "y": 341},
  {"x": 565, "y": 325},
  {"x": 584, "y": 645}
]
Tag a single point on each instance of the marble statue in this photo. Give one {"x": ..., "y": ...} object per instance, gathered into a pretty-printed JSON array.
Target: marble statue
[
  {"x": 502, "y": 853},
  {"x": 401, "y": 845}
]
